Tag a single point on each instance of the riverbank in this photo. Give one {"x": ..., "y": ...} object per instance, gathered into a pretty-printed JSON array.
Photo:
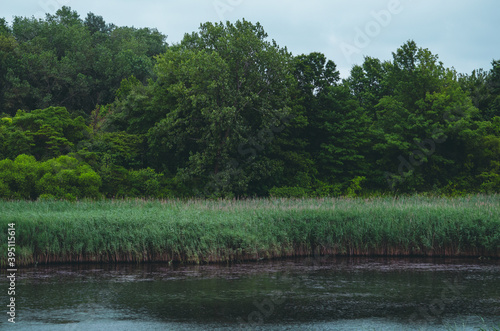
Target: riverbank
[{"x": 221, "y": 231}]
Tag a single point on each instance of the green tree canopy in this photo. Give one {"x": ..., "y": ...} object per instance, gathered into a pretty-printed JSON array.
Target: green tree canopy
[
  {"x": 217, "y": 97},
  {"x": 63, "y": 60}
]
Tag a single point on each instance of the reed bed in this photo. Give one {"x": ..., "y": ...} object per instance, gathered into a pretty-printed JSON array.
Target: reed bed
[{"x": 202, "y": 231}]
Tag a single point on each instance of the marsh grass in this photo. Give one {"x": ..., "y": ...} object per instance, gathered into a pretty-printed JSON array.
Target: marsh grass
[{"x": 198, "y": 231}]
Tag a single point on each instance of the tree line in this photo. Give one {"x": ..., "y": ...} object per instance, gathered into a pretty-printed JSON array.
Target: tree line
[{"x": 90, "y": 109}]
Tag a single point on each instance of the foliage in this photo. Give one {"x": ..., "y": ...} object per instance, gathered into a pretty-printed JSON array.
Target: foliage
[
  {"x": 63, "y": 60},
  {"x": 229, "y": 113},
  {"x": 62, "y": 178},
  {"x": 196, "y": 231},
  {"x": 66, "y": 177},
  {"x": 289, "y": 192},
  {"x": 214, "y": 91}
]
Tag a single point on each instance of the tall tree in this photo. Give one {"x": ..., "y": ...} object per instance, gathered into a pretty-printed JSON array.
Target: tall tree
[
  {"x": 223, "y": 93},
  {"x": 63, "y": 60},
  {"x": 421, "y": 127}
]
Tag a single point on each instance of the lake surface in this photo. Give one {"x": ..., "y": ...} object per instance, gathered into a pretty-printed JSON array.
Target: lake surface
[{"x": 324, "y": 293}]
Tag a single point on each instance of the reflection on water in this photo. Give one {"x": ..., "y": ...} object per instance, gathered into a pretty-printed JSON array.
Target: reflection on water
[{"x": 301, "y": 294}]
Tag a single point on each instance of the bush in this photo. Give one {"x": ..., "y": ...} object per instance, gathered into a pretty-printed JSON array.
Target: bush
[
  {"x": 61, "y": 178},
  {"x": 46, "y": 197},
  {"x": 4, "y": 190},
  {"x": 355, "y": 186},
  {"x": 68, "y": 178},
  {"x": 289, "y": 192},
  {"x": 144, "y": 183},
  {"x": 322, "y": 190},
  {"x": 19, "y": 177}
]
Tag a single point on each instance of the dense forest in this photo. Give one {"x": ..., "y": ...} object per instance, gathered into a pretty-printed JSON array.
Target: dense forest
[{"x": 90, "y": 110}]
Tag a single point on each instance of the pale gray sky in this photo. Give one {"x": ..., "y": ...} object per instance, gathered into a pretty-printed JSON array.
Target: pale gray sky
[{"x": 464, "y": 33}]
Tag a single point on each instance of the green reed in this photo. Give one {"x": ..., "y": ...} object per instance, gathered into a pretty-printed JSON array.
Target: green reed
[{"x": 198, "y": 231}]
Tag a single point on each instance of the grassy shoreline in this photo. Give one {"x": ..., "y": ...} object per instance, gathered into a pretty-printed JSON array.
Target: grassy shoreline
[{"x": 229, "y": 230}]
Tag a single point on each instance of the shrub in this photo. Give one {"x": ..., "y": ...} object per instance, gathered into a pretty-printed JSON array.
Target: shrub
[
  {"x": 289, "y": 192},
  {"x": 144, "y": 183},
  {"x": 19, "y": 177},
  {"x": 67, "y": 178}
]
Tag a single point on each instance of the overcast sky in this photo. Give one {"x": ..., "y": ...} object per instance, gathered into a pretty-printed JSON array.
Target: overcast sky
[{"x": 465, "y": 34}]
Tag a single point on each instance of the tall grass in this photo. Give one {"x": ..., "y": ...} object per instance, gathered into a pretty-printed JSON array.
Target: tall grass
[{"x": 200, "y": 231}]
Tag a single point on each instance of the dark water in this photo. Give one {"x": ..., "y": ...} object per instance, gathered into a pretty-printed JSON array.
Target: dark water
[{"x": 302, "y": 294}]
